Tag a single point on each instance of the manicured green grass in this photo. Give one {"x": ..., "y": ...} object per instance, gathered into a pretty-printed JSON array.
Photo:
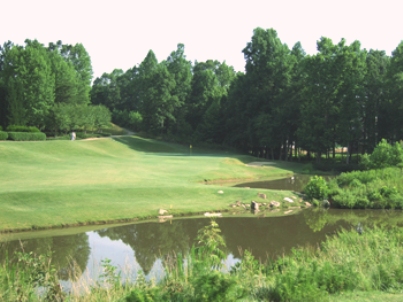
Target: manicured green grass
[{"x": 60, "y": 183}]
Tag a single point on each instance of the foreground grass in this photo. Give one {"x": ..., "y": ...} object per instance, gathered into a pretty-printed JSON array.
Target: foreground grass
[
  {"x": 347, "y": 267},
  {"x": 64, "y": 183},
  {"x": 373, "y": 296}
]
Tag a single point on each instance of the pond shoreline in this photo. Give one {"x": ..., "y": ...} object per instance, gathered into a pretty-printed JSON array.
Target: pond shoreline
[{"x": 155, "y": 219}]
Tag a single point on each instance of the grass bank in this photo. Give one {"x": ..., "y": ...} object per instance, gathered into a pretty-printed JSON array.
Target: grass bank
[{"x": 65, "y": 183}]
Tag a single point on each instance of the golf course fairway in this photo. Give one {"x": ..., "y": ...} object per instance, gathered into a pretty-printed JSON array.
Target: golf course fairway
[{"x": 60, "y": 183}]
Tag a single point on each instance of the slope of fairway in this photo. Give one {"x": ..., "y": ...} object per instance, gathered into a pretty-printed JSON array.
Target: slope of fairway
[{"x": 55, "y": 183}]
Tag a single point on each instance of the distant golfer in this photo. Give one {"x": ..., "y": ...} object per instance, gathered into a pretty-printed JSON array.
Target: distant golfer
[{"x": 73, "y": 136}]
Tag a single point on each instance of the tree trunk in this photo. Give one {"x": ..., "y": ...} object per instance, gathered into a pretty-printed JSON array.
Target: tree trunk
[{"x": 318, "y": 156}]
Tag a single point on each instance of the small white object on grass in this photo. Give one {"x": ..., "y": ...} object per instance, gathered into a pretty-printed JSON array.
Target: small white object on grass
[{"x": 207, "y": 214}]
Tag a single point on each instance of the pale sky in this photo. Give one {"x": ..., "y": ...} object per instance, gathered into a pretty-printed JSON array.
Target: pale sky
[{"x": 119, "y": 33}]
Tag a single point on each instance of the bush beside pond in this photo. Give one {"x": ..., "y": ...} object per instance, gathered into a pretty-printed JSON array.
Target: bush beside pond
[
  {"x": 378, "y": 187},
  {"x": 373, "y": 189}
]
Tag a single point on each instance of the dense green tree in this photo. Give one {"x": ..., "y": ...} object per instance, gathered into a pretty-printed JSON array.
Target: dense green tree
[
  {"x": 375, "y": 98},
  {"x": 65, "y": 75},
  {"x": 181, "y": 70},
  {"x": 106, "y": 91},
  {"x": 334, "y": 97},
  {"x": 3, "y": 88},
  {"x": 268, "y": 70},
  {"x": 315, "y": 131},
  {"x": 146, "y": 70},
  {"x": 204, "y": 90},
  {"x": 295, "y": 98},
  {"x": 157, "y": 103},
  {"x": 81, "y": 61},
  {"x": 350, "y": 96},
  {"x": 392, "y": 110},
  {"x": 66, "y": 117},
  {"x": 210, "y": 128},
  {"x": 129, "y": 86},
  {"x": 235, "y": 115},
  {"x": 30, "y": 84},
  {"x": 101, "y": 116}
]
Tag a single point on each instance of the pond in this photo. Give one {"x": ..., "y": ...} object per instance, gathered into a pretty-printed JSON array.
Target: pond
[
  {"x": 148, "y": 246},
  {"x": 294, "y": 183}
]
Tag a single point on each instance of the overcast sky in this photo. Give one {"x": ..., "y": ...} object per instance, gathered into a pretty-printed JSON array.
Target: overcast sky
[{"x": 119, "y": 33}]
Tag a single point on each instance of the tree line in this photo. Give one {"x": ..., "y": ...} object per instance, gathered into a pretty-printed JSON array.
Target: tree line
[
  {"x": 172, "y": 97},
  {"x": 285, "y": 100},
  {"x": 47, "y": 87}
]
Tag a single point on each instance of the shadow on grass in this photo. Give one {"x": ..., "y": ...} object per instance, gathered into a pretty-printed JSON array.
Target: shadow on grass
[{"x": 161, "y": 148}]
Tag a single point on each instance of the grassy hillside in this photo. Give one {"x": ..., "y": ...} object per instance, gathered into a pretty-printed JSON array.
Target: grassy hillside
[{"x": 56, "y": 183}]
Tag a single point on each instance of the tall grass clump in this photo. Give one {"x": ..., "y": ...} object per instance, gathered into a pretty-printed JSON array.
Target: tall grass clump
[
  {"x": 370, "y": 261},
  {"x": 197, "y": 277},
  {"x": 30, "y": 278}
]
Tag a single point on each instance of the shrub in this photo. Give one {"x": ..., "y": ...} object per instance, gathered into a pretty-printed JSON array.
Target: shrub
[
  {"x": 3, "y": 135},
  {"x": 384, "y": 155},
  {"x": 17, "y": 128},
  {"x": 142, "y": 295},
  {"x": 335, "y": 167},
  {"x": 135, "y": 119},
  {"x": 26, "y": 136},
  {"x": 215, "y": 286},
  {"x": 316, "y": 188}
]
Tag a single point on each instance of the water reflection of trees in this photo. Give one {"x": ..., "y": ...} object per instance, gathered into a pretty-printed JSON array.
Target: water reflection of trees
[
  {"x": 69, "y": 254},
  {"x": 269, "y": 237},
  {"x": 155, "y": 240},
  {"x": 264, "y": 237},
  {"x": 317, "y": 219}
]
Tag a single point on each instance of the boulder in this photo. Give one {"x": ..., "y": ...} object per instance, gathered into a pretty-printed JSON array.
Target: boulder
[
  {"x": 162, "y": 212},
  {"x": 307, "y": 204},
  {"x": 220, "y": 192},
  {"x": 274, "y": 204},
  {"x": 254, "y": 206},
  {"x": 261, "y": 195},
  {"x": 288, "y": 199},
  {"x": 326, "y": 204}
]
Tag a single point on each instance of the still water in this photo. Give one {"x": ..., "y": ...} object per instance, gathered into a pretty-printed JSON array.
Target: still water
[
  {"x": 295, "y": 183},
  {"x": 147, "y": 246}
]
